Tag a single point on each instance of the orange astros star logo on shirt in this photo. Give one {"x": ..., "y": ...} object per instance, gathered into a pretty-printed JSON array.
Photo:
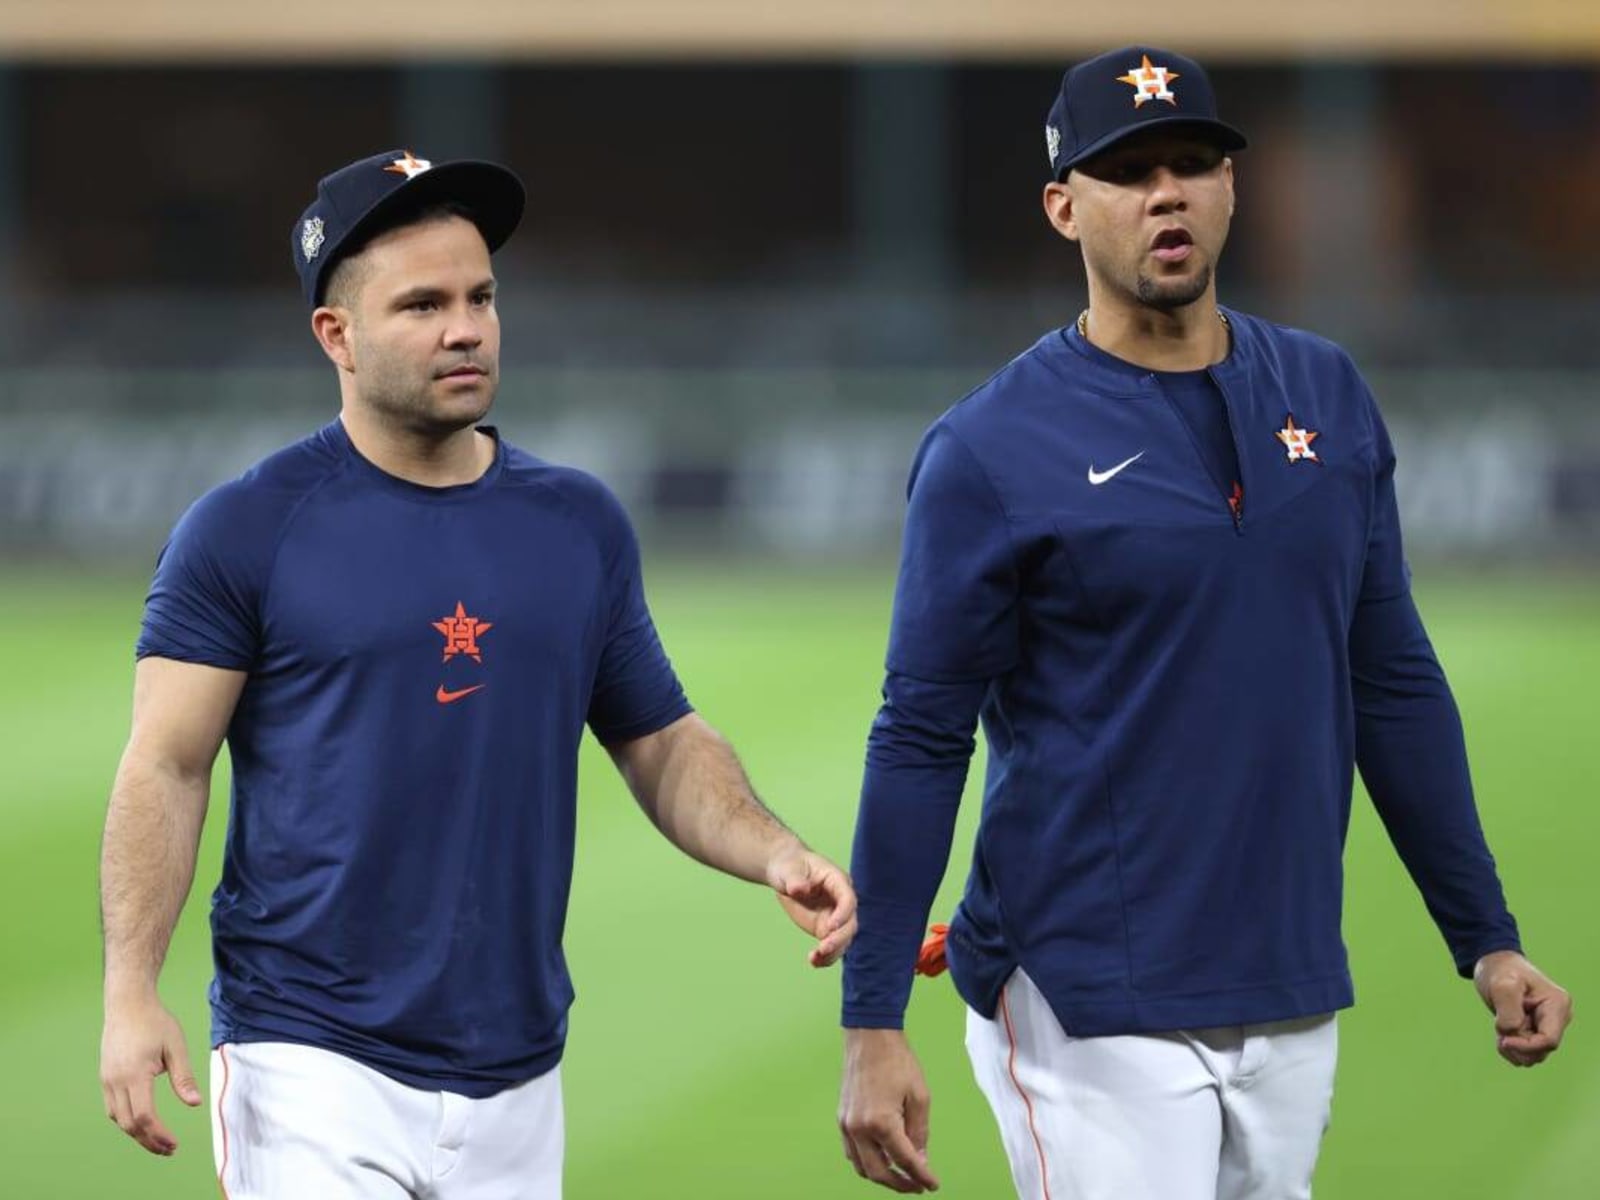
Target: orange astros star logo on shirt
[
  {"x": 461, "y": 633},
  {"x": 1150, "y": 83},
  {"x": 1298, "y": 441}
]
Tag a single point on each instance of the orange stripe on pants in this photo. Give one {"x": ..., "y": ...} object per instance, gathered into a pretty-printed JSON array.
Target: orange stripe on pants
[
  {"x": 222, "y": 1122},
  {"x": 1011, "y": 1066}
]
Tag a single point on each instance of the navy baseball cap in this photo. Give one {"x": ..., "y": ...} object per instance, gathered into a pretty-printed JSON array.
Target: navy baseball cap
[
  {"x": 1123, "y": 92},
  {"x": 360, "y": 200}
]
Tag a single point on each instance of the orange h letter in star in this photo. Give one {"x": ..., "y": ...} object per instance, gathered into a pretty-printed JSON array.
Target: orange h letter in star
[{"x": 461, "y": 634}]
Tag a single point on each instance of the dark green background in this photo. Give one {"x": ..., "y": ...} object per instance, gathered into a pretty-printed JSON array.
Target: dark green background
[{"x": 704, "y": 1052}]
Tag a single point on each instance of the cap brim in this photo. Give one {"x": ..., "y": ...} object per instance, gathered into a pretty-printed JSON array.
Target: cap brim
[
  {"x": 1220, "y": 133},
  {"x": 495, "y": 196}
]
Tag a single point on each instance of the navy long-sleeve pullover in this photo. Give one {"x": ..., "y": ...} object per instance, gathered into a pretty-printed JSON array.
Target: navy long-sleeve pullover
[{"x": 1174, "y": 689}]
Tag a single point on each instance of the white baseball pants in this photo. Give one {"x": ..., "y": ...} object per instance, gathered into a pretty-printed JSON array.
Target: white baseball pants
[
  {"x": 292, "y": 1122},
  {"x": 1235, "y": 1113}
]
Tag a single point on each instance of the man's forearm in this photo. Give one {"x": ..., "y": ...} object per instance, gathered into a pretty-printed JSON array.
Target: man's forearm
[
  {"x": 917, "y": 758},
  {"x": 1413, "y": 758},
  {"x": 147, "y": 862},
  {"x": 695, "y": 791}
]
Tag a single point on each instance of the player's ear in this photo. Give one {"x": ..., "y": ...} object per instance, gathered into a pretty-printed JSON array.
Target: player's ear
[
  {"x": 331, "y": 325},
  {"x": 1227, "y": 180},
  {"x": 1058, "y": 210}
]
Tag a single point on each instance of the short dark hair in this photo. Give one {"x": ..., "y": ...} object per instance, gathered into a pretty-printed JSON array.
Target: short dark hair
[{"x": 343, "y": 279}]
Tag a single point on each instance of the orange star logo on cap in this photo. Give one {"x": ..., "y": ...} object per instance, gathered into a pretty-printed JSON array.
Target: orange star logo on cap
[
  {"x": 1150, "y": 83},
  {"x": 410, "y": 166}
]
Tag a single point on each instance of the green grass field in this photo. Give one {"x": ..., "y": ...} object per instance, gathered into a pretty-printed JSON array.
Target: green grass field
[{"x": 704, "y": 1052}]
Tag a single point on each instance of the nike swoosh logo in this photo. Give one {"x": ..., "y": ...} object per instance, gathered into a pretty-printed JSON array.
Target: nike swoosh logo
[
  {"x": 444, "y": 697},
  {"x": 1099, "y": 477}
]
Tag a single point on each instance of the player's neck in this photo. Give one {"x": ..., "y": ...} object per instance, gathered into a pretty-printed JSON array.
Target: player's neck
[
  {"x": 461, "y": 456},
  {"x": 1183, "y": 339}
]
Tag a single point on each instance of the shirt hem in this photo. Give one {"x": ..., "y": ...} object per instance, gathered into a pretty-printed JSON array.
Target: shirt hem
[{"x": 1256, "y": 1004}]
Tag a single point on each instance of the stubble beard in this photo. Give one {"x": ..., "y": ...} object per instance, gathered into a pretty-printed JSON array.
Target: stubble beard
[
  {"x": 1166, "y": 296},
  {"x": 405, "y": 402}
]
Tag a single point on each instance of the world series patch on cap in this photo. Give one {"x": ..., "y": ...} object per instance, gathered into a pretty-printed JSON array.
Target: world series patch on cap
[
  {"x": 360, "y": 200},
  {"x": 1123, "y": 92}
]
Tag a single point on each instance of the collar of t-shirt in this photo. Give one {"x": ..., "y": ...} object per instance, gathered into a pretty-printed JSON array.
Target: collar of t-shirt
[{"x": 338, "y": 438}]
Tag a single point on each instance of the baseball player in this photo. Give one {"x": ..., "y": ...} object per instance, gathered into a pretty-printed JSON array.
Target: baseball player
[
  {"x": 401, "y": 625},
  {"x": 1158, "y": 554}
]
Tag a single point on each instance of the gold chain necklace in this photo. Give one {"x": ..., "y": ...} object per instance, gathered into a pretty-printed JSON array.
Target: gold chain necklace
[{"x": 1083, "y": 322}]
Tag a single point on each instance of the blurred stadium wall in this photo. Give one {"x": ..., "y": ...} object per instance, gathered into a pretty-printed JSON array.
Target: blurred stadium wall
[{"x": 766, "y": 246}]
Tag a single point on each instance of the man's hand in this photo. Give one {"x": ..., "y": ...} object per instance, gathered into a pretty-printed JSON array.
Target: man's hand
[
  {"x": 1530, "y": 1011},
  {"x": 818, "y": 897},
  {"x": 883, "y": 1111},
  {"x": 142, "y": 1040}
]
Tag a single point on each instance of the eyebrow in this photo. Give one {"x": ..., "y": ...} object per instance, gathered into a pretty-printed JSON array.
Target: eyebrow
[{"x": 426, "y": 292}]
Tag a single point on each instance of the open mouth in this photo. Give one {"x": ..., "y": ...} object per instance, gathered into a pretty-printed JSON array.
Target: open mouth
[{"x": 1172, "y": 245}]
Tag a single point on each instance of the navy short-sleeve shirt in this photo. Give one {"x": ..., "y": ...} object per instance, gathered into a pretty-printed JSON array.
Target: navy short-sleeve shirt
[{"x": 421, "y": 665}]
